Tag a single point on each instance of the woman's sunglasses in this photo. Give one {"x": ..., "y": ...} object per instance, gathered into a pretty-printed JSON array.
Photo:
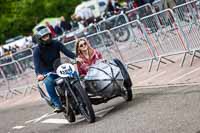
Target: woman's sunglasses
[{"x": 82, "y": 44}]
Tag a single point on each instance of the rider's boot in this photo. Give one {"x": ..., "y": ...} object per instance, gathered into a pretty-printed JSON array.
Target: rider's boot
[{"x": 58, "y": 109}]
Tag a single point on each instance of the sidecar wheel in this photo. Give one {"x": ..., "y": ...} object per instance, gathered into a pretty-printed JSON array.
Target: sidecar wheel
[{"x": 127, "y": 80}]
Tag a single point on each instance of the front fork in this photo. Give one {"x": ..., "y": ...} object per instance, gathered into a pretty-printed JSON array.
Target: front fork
[{"x": 71, "y": 96}]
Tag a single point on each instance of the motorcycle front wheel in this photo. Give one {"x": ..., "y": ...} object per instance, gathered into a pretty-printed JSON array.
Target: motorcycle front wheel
[
  {"x": 85, "y": 106},
  {"x": 68, "y": 113}
]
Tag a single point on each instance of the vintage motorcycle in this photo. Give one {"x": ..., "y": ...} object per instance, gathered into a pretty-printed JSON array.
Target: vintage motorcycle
[
  {"x": 71, "y": 92},
  {"x": 104, "y": 81}
]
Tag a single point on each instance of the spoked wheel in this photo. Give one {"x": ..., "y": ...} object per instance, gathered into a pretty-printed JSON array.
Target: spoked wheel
[
  {"x": 85, "y": 105},
  {"x": 127, "y": 81},
  {"x": 68, "y": 113},
  {"x": 122, "y": 34}
]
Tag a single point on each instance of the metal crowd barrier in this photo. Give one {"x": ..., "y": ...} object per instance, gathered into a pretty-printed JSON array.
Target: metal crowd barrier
[
  {"x": 71, "y": 45},
  {"x": 135, "y": 46},
  {"x": 164, "y": 34},
  {"x": 187, "y": 14},
  {"x": 16, "y": 74},
  {"x": 91, "y": 29},
  {"x": 188, "y": 18},
  {"x": 104, "y": 42},
  {"x": 6, "y": 59},
  {"x": 158, "y": 5},
  {"x": 139, "y": 12},
  {"x": 113, "y": 21}
]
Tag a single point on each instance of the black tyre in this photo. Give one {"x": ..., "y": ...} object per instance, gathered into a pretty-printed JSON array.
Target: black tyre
[
  {"x": 68, "y": 113},
  {"x": 127, "y": 80},
  {"x": 85, "y": 105},
  {"x": 122, "y": 34}
]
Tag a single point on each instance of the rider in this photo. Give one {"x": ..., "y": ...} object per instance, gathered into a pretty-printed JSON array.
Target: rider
[{"x": 44, "y": 55}]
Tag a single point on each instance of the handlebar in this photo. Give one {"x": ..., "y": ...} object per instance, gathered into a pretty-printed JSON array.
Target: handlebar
[{"x": 49, "y": 73}]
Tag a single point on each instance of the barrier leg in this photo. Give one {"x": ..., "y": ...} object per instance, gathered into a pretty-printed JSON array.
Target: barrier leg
[
  {"x": 159, "y": 60},
  {"x": 193, "y": 55},
  {"x": 25, "y": 91},
  {"x": 169, "y": 60},
  {"x": 33, "y": 88},
  {"x": 17, "y": 91},
  {"x": 130, "y": 67},
  {"x": 135, "y": 66},
  {"x": 183, "y": 60},
  {"x": 150, "y": 66}
]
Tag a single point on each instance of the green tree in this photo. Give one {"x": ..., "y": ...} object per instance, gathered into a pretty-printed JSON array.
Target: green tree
[{"x": 20, "y": 16}]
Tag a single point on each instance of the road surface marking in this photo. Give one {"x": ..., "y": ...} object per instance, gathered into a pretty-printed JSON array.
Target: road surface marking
[
  {"x": 184, "y": 75},
  {"x": 37, "y": 119},
  {"x": 56, "y": 121},
  {"x": 18, "y": 127},
  {"x": 100, "y": 114}
]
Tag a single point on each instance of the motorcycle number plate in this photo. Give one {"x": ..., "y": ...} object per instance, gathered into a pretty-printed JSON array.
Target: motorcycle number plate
[{"x": 65, "y": 70}]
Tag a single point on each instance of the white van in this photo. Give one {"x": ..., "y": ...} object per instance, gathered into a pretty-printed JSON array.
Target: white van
[{"x": 97, "y": 6}]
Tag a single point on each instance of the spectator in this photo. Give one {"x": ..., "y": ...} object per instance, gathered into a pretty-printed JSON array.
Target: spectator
[
  {"x": 6, "y": 51},
  {"x": 35, "y": 39},
  {"x": 17, "y": 48},
  {"x": 148, "y": 1},
  {"x": 85, "y": 15},
  {"x": 113, "y": 6},
  {"x": 168, "y": 3},
  {"x": 13, "y": 50},
  {"x": 139, "y": 2},
  {"x": 178, "y": 2},
  {"x": 58, "y": 29},
  {"x": 53, "y": 33},
  {"x": 65, "y": 25},
  {"x": 129, "y": 4},
  {"x": 110, "y": 7}
]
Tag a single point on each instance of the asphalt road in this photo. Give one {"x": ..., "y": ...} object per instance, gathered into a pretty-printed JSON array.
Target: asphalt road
[{"x": 161, "y": 110}]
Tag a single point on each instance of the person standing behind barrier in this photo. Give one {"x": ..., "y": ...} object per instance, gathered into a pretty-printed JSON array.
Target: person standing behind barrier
[
  {"x": 44, "y": 56},
  {"x": 53, "y": 33},
  {"x": 168, "y": 4},
  {"x": 179, "y": 2},
  {"x": 86, "y": 56},
  {"x": 58, "y": 29},
  {"x": 113, "y": 7},
  {"x": 148, "y": 1},
  {"x": 84, "y": 15},
  {"x": 65, "y": 25}
]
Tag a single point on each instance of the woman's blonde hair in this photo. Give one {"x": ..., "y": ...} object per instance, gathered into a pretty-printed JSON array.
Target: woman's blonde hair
[{"x": 90, "y": 49}]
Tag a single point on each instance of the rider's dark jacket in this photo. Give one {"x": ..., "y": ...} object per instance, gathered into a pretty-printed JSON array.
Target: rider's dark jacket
[{"x": 44, "y": 56}]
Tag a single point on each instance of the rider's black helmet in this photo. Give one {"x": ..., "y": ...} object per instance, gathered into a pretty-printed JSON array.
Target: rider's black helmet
[{"x": 41, "y": 32}]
